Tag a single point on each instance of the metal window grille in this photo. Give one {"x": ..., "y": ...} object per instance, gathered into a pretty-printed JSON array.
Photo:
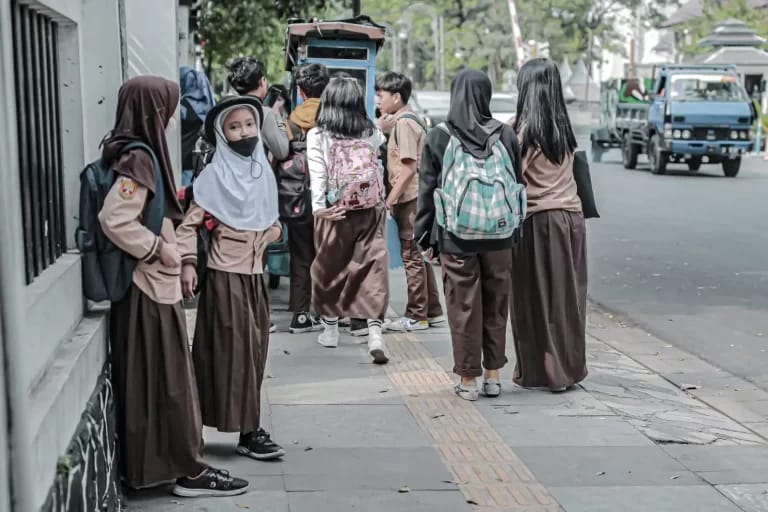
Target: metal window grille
[{"x": 36, "y": 66}]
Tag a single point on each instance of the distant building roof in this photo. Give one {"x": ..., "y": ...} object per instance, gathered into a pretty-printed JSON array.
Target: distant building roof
[
  {"x": 693, "y": 9},
  {"x": 732, "y": 33},
  {"x": 739, "y": 56}
]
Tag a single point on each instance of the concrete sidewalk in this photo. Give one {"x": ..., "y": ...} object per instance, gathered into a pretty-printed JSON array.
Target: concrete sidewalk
[{"x": 395, "y": 438}]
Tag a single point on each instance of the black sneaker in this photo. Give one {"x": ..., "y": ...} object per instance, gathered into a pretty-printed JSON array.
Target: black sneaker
[
  {"x": 213, "y": 482},
  {"x": 272, "y": 327},
  {"x": 304, "y": 322},
  {"x": 358, "y": 327},
  {"x": 259, "y": 446}
]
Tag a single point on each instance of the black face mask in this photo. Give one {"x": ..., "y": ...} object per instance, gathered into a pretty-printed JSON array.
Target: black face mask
[{"x": 244, "y": 147}]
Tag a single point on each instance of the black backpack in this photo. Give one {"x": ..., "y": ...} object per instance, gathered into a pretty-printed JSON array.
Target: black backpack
[
  {"x": 107, "y": 270},
  {"x": 293, "y": 192}
]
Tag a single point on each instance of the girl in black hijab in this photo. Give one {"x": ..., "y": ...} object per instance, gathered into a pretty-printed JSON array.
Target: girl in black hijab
[{"x": 476, "y": 273}]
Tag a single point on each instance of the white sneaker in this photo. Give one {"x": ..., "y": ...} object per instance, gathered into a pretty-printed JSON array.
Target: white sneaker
[
  {"x": 406, "y": 324},
  {"x": 329, "y": 337},
  {"x": 434, "y": 321},
  {"x": 376, "y": 346}
]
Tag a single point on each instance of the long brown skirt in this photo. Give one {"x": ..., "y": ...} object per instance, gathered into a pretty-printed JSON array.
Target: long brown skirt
[
  {"x": 549, "y": 300},
  {"x": 158, "y": 415},
  {"x": 230, "y": 349},
  {"x": 350, "y": 277}
]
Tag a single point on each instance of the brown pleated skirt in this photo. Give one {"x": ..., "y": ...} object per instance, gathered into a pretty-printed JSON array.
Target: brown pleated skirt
[
  {"x": 549, "y": 300},
  {"x": 230, "y": 349},
  {"x": 350, "y": 277},
  {"x": 158, "y": 414}
]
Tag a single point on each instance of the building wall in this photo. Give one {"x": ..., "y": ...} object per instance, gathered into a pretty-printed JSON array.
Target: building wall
[{"x": 55, "y": 356}]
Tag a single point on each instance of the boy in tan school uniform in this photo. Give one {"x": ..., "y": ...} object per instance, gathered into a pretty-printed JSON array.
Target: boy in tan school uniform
[{"x": 406, "y": 142}]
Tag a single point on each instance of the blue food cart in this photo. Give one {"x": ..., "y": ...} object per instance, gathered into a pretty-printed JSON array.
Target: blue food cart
[{"x": 348, "y": 46}]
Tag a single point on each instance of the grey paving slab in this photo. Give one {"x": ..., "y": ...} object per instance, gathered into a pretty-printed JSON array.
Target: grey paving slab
[
  {"x": 536, "y": 429},
  {"x": 366, "y": 469},
  {"x": 271, "y": 501},
  {"x": 694, "y": 498},
  {"x": 569, "y": 466},
  {"x": 370, "y": 390},
  {"x": 724, "y": 464},
  {"x": 378, "y": 501},
  {"x": 350, "y": 426},
  {"x": 656, "y": 407},
  {"x": 750, "y": 497}
]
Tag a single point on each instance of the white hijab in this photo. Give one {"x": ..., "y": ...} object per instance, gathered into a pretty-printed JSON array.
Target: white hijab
[{"x": 238, "y": 191}]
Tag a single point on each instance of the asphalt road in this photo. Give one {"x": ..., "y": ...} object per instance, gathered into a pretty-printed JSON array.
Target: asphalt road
[{"x": 685, "y": 256}]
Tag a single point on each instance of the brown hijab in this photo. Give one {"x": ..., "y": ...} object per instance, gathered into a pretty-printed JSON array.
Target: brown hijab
[{"x": 145, "y": 105}]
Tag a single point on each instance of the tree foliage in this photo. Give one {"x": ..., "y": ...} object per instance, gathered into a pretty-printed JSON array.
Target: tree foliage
[{"x": 232, "y": 28}]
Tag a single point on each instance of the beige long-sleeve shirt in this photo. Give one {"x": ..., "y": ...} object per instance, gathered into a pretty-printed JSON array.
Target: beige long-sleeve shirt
[
  {"x": 121, "y": 220},
  {"x": 232, "y": 250}
]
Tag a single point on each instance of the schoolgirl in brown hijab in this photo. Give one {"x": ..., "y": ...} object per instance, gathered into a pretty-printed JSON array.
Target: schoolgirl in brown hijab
[{"x": 158, "y": 414}]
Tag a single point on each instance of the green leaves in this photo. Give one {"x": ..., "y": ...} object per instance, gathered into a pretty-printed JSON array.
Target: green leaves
[{"x": 232, "y": 28}]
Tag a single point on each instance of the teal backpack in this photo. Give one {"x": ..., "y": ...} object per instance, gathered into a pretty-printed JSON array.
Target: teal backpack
[{"x": 479, "y": 199}]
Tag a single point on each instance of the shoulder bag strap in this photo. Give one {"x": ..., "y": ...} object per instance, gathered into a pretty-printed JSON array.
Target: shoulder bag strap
[{"x": 155, "y": 210}]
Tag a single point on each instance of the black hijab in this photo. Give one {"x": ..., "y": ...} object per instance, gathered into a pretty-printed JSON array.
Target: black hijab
[
  {"x": 145, "y": 105},
  {"x": 469, "y": 115}
]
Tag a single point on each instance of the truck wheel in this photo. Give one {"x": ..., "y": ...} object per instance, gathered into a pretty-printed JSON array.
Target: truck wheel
[
  {"x": 694, "y": 164},
  {"x": 629, "y": 152},
  {"x": 657, "y": 157},
  {"x": 274, "y": 282},
  {"x": 731, "y": 167}
]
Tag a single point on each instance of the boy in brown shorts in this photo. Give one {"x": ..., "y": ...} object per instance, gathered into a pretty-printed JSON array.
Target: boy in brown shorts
[{"x": 406, "y": 142}]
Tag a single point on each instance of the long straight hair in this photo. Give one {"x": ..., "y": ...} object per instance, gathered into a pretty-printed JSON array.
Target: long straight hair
[
  {"x": 542, "y": 118},
  {"x": 342, "y": 112}
]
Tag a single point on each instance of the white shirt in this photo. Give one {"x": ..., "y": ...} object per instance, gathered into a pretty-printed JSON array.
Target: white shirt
[{"x": 318, "y": 144}]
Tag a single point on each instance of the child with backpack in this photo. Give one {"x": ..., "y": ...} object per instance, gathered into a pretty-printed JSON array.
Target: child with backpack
[
  {"x": 295, "y": 196},
  {"x": 349, "y": 274},
  {"x": 158, "y": 414},
  {"x": 471, "y": 206},
  {"x": 404, "y": 148},
  {"x": 239, "y": 191}
]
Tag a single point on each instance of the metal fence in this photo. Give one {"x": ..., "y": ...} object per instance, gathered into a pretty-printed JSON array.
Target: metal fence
[{"x": 36, "y": 69}]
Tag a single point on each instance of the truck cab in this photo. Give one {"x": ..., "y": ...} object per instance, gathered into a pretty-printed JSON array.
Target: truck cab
[{"x": 699, "y": 114}]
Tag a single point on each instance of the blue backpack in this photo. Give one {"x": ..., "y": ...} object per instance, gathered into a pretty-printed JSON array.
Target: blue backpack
[{"x": 107, "y": 270}]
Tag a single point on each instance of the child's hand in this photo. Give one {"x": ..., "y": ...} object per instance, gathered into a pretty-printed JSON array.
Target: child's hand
[
  {"x": 169, "y": 256},
  {"x": 188, "y": 280},
  {"x": 334, "y": 213}
]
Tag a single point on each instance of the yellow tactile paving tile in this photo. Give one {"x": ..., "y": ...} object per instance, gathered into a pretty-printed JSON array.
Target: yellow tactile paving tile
[{"x": 486, "y": 470}]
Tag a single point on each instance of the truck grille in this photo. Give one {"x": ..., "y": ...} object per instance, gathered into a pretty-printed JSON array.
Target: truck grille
[{"x": 711, "y": 133}]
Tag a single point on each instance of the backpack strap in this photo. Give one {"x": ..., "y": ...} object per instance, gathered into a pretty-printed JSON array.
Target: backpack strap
[
  {"x": 412, "y": 117},
  {"x": 155, "y": 210}
]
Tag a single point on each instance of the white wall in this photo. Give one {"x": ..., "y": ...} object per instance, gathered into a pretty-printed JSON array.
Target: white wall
[
  {"x": 153, "y": 49},
  {"x": 53, "y": 355}
]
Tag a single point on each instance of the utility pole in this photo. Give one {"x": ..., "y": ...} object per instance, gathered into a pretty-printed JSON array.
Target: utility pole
[{"x": 356, "y": 7}]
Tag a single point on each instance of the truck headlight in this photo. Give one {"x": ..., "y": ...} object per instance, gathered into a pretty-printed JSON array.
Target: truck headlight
[
  {"x": 734, "y": 134},
  {"x": 667, "y": 131},
  {"x": 751, "y": 134},
  {"x": 743, "y": 134},
  {"x": 677, "y": 134},
  {"x": 686, "y": 134}
]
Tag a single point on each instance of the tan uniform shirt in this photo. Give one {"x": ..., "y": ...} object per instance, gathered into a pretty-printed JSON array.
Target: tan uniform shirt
[
  {"x": 405, "y": 142},
  {"x": 120, "y": 219},
  {"x": 549, "y": 186},
  {"x": 232, "y": 250}
]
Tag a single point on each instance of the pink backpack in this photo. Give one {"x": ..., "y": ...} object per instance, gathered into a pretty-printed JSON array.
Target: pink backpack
[{"x": 354, "y": 178}]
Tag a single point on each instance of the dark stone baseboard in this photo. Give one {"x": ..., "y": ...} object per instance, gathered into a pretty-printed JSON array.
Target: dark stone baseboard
[{"x": 87, "y": 474}]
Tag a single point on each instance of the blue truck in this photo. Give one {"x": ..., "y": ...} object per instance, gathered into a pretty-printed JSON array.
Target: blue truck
[{"x": 693, "y": 114}]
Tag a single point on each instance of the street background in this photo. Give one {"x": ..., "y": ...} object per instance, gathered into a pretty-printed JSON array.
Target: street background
[{"x": 673, "y": 416}]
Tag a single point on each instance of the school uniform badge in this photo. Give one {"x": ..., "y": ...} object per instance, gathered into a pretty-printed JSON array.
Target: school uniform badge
[{"x": 127, "y": 188}]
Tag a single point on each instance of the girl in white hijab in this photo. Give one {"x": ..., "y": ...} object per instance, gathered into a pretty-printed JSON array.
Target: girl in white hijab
[{"x": 235, "y": 199}]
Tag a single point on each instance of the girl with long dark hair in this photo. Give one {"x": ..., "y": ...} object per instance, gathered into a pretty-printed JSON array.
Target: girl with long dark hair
[
  {"x": 349, "y": 275},
  {"x": 549, "y": 270}
]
